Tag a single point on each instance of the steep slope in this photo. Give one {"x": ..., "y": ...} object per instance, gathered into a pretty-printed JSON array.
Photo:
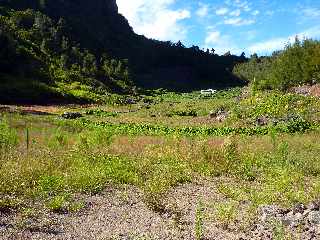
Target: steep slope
[{"x": 97, "y": 26}]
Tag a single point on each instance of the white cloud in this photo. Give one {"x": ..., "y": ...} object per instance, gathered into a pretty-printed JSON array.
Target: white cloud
[
  {"x": 241, "y": 4},
  {"x": 247, "y": 9},
  {"x": 222, "y": 11},
  {"x": 213, "y": 37},
  {"x": 256, "y": 12},
  {"x": 203, "y": 10},
  {"x": 221, "y": 43},
  {"x": 238, "y": 21},
  {"x": 311, "y": 12},
  {"x": 235, "y": 13},
  {"x": 155, "y": 19},
  {"x": 279, "y": 43}
]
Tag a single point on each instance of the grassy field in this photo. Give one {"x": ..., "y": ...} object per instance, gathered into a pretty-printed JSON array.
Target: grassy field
[{"x": 162, "y": 141}]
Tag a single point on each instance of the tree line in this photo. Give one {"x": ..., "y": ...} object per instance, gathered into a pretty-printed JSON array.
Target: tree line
[{"x": 297, "y": 64}]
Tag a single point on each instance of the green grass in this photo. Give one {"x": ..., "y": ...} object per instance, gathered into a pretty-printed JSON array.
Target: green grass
[
  {"x": 8, "y": 136},
  {"x": 268, "y": 165}
]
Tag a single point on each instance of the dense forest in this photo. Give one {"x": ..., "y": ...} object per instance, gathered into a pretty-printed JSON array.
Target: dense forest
[
  {"x": 297, "y": 64},
  {"x": 60, "y": 50}
]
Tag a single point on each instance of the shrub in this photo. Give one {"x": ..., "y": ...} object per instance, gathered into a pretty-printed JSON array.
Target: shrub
[{"x": 297, "y": 64}]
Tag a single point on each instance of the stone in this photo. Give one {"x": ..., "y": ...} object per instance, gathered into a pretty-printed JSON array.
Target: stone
[
  {"x": 269, "y": 212},
  {"x": 288, "y": 219},
  {"x": 262, "y": 121},
  {"x": 212, "y": 114},
  {"x": 313, "y": 206},
  {"x": 306, "y": 212},
  {"x": 314, "y": 217},
  {"x": 220, "y": 116},
  {"x": 309, "y": 234},
  {"x": 298, "y": 219},
  {"x": 71, "y": 115},
  {"x": 293, "y": 220},
  {"x": 298, "y": 208}
]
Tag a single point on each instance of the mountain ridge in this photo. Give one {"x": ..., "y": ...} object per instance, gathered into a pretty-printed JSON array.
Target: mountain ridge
[{"x": 98, "y": 27}]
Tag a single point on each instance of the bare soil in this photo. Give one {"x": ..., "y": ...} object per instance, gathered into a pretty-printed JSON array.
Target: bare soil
[{"x": 121, "y": 213}]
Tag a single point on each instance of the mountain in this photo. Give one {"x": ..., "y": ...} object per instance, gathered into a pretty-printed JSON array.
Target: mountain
[{"x": 96, "y": 27}]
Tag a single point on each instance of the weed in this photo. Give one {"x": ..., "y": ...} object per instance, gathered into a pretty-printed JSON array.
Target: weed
[
  {"x": 101, "y": 113},
  {"x": 58, "y": 139},
  {"x": 27, "y": 138},
  {"x": 8, "y": 203},
  {"x": 199, "y": 231},
  {"x": 58, "y": 203},
  {"x": 8, "y": 136},
  {"x": 278, "y": 231},
  {"x": 49, "y": 185},
  {"x": 226, "y": 213},
  {"x": 76, "y": 206}
]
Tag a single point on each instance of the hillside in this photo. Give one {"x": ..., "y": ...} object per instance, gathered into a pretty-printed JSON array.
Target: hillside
[{"x": 64, "y": 43}]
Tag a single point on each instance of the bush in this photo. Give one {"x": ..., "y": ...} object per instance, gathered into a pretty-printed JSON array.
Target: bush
[{"x": 298, "y": 63}]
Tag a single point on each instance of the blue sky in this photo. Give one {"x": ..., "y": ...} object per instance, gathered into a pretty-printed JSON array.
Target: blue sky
[{"x": 250, "y": 26}]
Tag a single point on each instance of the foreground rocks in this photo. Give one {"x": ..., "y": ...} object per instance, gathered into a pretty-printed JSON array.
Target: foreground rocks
[{"x": 300, "y": 222}]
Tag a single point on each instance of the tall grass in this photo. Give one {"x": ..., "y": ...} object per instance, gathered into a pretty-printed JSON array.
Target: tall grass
[
  {"x": 281, "y": 169},
  {"x": 8, "y": 136}
]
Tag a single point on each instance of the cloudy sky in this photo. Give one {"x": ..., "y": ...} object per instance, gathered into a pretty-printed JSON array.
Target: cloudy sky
[{"x": 260, "y": 26}]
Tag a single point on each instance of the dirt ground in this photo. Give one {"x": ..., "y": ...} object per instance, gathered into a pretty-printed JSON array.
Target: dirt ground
[{"x": 121, "y": 213}]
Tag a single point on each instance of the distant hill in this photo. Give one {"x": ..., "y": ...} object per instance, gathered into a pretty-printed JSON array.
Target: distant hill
[{"x": 53, "y": 30}]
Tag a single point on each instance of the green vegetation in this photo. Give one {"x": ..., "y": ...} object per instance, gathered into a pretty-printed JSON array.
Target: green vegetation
[
  {"x": 61, "y": 52},
  {"x": 296, "y": 65},
  {"x": 273, "y": 164},
  {"x": 199, "y": 221},
  {"x": 257, "y": 147},
  {"x": 8, "y": 136},
  {"x": 47, "y": 64},
  {"x": 293, "y": 126}
]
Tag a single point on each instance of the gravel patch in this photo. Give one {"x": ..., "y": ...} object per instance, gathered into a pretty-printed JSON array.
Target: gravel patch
[{"x": 122, "y": 213}]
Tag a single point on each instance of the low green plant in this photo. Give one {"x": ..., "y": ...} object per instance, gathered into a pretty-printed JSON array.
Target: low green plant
[
  {"x": 226, "y": 213},
  {"x": 76, "y": 206},
  {"x": 199, "y": 221},
  {"x": 8, "y": 136},
  {"x": 50, "y": 185},
  {"x": 58, "y": 203},
  {"x": 101, "y": 113},
  {"x": 8, "y": 203},
  {"x": 183, "y": 113},
  {"x": 279, "y": 232},
  {"x": 58, "y": 139},
  {"x": 97, "y": 137}
]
